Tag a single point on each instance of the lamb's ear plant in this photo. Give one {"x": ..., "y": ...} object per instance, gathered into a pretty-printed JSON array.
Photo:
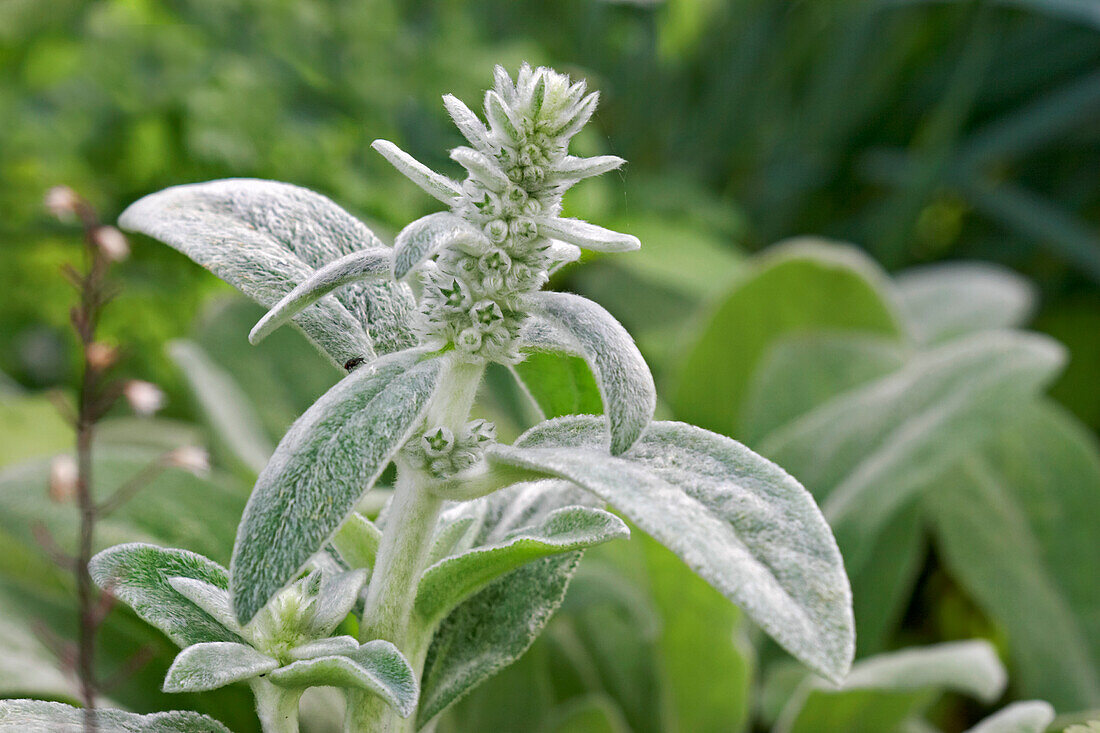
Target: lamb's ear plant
[{"x": 475, "y": 549}]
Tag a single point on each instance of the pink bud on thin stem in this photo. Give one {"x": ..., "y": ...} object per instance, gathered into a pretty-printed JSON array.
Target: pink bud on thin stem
[
  {"x": 62, "y": 202},
  {"x": 63, "y": 478},
  {"x": 111, "y": 242},
  {"x": 145, "y": 398},
  {"x": 190, "y": 458}
]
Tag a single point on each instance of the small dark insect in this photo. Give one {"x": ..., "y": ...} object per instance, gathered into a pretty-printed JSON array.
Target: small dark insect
[{"x": 353, "y": 362}]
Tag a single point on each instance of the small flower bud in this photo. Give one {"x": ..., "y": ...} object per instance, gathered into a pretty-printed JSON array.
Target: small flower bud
[
  {"x": 495, "y": 261},
  {"x": 63, "y": 478},
  {"x": 486, "y": 313},
  {"x": 515, "y": 195},
  {"x": 481, "y": 431},
  {"x": 524, "y": 229},
  {"x": 189, "y": 458},
  {"x": 533, "y": 174},
  {"x": 101, "y": 356},
  {"x": 111, "y": 242},
  {"x": 469, "y": 340},
  {"x": 533, "y": 207},
  {"x": 439, "y": 442},
  {"x": 496, "y": 231},
  {"x": 62, "y": 202},
  {"x": 145, "y": 398}
]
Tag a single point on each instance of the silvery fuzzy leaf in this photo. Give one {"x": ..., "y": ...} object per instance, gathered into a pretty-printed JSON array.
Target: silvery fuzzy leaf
[
  {"x": 265, "y": 237},
  {"x": 210, "y": 598},
  {"x": 581, "y": 113},
  {"x": 588, "y": 236},
  {"x": 452, "y": 580},
  {"x": 334, "y": 645},
  {"x": 456, "y": 534},
  {"x": 214, "y": 664},
  {"x": 481, "y": 167},
  {"x": 467, "y": 123},
  {"x": 577, "y": 325},
  {"x": 338, "y": 595},
  {"x": 357, "y": 541},
  {"x": 427, "y": 235},
  {"x": 561, "y": 254},
  {"x": 500, "y": 117},
  {"x": 575, "y": 168},
  {"x": 496, "y": 626},
  {"x": 1029, "y": 716},
  {"x": 138, "y": 575},
  {"x": 434, "y": 184},
  {"x": 228, "y": 410},
  {"x": 32, "y": 716},
  {"x": 868, "y": 451},
  {"x": 944, "y": 301},
  {"x": 735, "y": 518},
  {"x": 376, "y": 666},
  {"x": 366, "y": 264},
  {"x": 890, "y": 688},
  {"x": 327, "y": 460}
]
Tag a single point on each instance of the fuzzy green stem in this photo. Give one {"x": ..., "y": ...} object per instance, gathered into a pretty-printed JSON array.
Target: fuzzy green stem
[
  {"x": 276, "y": 706},
  {"x": 403, "y": 554}
]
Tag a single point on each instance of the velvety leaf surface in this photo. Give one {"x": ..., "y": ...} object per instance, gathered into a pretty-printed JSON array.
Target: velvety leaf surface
[
  {"x": 797, "y": 287},
  {"x": 450, "y": 581},
  {"x": 265, "y": 237},
  {"x": 496, "y": 626},
  {"x": 424, "y": 237},
  {"x": 579, "y": 326},
  {"x": 376, "y": 666},
  {"x": 947, "y": 300},
  {"x": 37, "y": 715},
  {"x": 735, "y": 518},
  {"x": 1007, "y": 523},
  {"x": 865, "y": 453},
  {"x": 328, "y": 459},
  {"x": 883, "y": 691},
  {"x": 139, "y": 575},
  {"x": 213, "y": 664}
]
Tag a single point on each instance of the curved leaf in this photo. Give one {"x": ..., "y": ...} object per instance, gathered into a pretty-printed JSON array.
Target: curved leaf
[
  {"x": 366, "y": 264},
  {"x": 1029, "y": 716},
  {"x": 493, "y": 628},
  {"x": 140, "y": 575},
  {"x": 328, "y": 459},
  {"x": 214, "y": 664},
  {"x": 376, "y": 666},
  {"x": 734, "y": 517},
  {"x": 357, "y": 541},
  {"x": 579, "y": 326},
  {"x": 588, "y": 236},
  {"x": 427, "y": 235},
  {"x": 38, "y": 715},
  {"x": 450, "y": 581},
  {"x": 264, "y": 238},
  {"x": 432, "y": 183}
]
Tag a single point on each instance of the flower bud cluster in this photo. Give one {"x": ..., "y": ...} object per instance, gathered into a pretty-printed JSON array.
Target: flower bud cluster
[
  {"x": 472, "y": 297},
  {"x": 288, "y": 619},
  {"x": 443, "y": 454}
]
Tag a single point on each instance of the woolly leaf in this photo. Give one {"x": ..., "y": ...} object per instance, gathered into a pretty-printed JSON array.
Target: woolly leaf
[
  {"x": 139, "y": 575},
  {"x": 328, "y": 459},
  {"x": 577, "y": 168},
  {"x": 266, "y": 237},
  {"x": 735, "y": 518},
  {"x": 338, "y": 645},
  {"x": 450, "y": 581},
  {"x": 435, "y": 185},
  {"x": 376, "y": 666},
  {"x": 366, "y": 264},
  {"x": 494, "y": 627},
  {"x": 883, "y": 691},
  {"x": 339, "y": 592},
  {"x": 588, "y": 236},
  {"x": 579, "y": 326},
  {"x": 1029, "y": 716},
  {"x": 943, "y": 301},
  {"x": 210, "y": 598},
  {"x": 481, "y": 167},
  {"x": 427, "y": 235},
  {"x": 467, "y": 123},
  {"x": 214, "y": 664},
  {"x": 38, "y": 715}
]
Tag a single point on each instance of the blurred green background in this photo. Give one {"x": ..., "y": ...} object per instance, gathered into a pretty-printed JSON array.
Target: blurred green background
[{"x": 920, "y": 132}]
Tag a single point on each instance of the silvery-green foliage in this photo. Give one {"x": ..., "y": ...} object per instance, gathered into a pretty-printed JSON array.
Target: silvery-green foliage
[
  {"x": 494, "y": 627},
  {"x": 38, "y": 716},
  {"x": 327, "y": 460},
  {"x": 265, "y": 238},
  {"x": 735, "y": 518},
  {"x": 1029, "y": 716},
  {"x": 474, "y": 555},
  {"x": 890, "y": 689}
]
